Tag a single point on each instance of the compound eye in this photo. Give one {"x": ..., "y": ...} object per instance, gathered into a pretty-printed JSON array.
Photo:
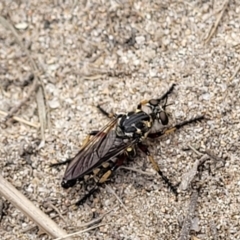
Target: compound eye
[
  {"x": 119, "y": 131},
  {"x": 163, "y": 117},
  {"x": 122, "y": 119},
  {"x": 154, "y": 102}
]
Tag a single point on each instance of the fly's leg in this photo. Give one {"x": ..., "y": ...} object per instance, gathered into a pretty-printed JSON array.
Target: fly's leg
[
  {"x": 181, "y": 124},
  {"x": 144, "y": 149},
  {"x": 158, "y": 100},
  {"x": 104, "y": 112},
  {"x": 86, "y": 196},
  {"x": 165, "y": 95},
  {"x": 175, "y": 127},
  {"x": 108, "y": 171}
]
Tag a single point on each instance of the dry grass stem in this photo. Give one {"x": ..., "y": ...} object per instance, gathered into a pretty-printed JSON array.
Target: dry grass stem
[
  {"x": 235, "y": 73},
  {"x": 117, "y": 197},
  {"x": 195, "y": 238},
  {"x": 83, "y": 231},
  {"x": 195, "y": 150},
  {"x": 32, "y": 226},
  {"x": 23, "y": 102},
  {"x": 35, "y": 125},
  {"x": 97, "y": 220},
  {"x": 230, "y": 79},
  {"x": 138, "y": 171},
  {"x": 188, "y": 177},
  {"x": 184, "y": 234},
  {"x": 214, "y": 231},
  {"x": 1, "y": 208},
  {"x": 26, "y": 207},
  {"x": 54, "y": 208},
  {"x": 35, "y": 86},
  {"x": 41, "y": 111},
  {"x": 212, "y": 155},
  {"x": 95, "y": 77},
  {"x": 84, "y": 53},
  {"x": 214, "y": 27}
]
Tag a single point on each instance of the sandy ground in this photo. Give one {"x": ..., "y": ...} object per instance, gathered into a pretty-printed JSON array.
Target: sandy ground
[{"x": 117, "y": 53}]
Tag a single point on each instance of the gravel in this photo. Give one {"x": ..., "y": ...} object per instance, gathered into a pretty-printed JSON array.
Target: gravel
[{"x": 116, "y": 53}]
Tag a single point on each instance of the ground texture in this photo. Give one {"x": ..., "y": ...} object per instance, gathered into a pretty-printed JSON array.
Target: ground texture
[{"x": 116, "y": 53}]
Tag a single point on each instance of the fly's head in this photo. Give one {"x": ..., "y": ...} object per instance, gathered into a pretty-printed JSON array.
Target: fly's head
[
  {"x": 135, "y": 125},
  {"x": 157, "y": 109}
]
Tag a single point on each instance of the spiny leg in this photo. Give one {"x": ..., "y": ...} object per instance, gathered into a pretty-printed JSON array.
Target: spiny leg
[
  {"x": 175, "y": 127},
  {"x": 167, "y": 93},
  {"x": 181, "y": 124},
  {"x": 104, "y": 177},
  {"x": 104, "y": 112},
  {"x": 144, "y": 149},
  {"x": 86, "y": 196}
]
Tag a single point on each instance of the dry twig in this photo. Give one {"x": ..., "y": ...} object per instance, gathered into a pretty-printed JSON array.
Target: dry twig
[
  {"x": 77, "y": 233},
  {"x": 55, "y": 209},
  {"x": 35, "y": 125},
  {"x": 35, "y": 86},
  {"x": 26, "y": 206},
  {"x": 1, "y": 208},
  {"x": 117, "y": 197},
  {"x": 213, "y": 229},
  {"x": 189, "y": 176},
  {"x": 212, "y": 155},
  {"x": 187, "y": 179},
  {"x": 195, "y": 150},
  {"x": 41, "y": 111},
  {"x": 235, "y": 73},
  {"x": 184, "y": 234},
  {"x": 32, "y": 226},
  {"x": 97, "y": 220},
  {"x": 230, "y": 79},
  {"x": 137, "y": 170},
  {"x": 214, "y": 27},
  {"x": 23, "y": 102}
]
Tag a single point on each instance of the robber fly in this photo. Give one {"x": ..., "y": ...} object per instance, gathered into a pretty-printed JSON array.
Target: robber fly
[{"x": 118, "y": 141}]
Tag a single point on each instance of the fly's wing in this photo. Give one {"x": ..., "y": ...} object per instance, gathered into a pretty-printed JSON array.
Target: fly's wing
[{"x": 99, "y": 149}]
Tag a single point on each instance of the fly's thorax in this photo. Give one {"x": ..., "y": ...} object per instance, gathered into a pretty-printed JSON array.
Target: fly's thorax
[{"x": 134, "y": 125}]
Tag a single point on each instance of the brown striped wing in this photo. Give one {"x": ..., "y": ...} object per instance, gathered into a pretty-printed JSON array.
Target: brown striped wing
[{"x": 100, "y": 148}]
